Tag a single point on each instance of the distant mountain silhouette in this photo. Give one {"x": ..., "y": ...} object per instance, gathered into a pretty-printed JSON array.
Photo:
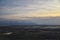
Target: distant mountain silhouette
[
  {"x": 15, "y": 22},
  {"x": 32, "y": 21}
]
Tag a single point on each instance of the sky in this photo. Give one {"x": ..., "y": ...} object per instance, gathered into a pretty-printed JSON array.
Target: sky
[{"x": 35, "y": 11}]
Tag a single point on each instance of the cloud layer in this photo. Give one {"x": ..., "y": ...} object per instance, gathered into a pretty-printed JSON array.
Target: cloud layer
[
  {"x": 30, "y": 10},
  {"x": 28, "y": 6}
]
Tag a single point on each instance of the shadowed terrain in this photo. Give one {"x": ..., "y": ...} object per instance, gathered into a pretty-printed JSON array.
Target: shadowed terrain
[{"x": 29, "y": 32}]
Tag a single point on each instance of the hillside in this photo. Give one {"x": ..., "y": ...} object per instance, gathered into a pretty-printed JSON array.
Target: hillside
[{"x": 23, "y": 33}]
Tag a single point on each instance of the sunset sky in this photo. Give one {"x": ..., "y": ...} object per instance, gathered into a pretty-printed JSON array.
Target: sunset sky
[{"x": 36, "y": 11}]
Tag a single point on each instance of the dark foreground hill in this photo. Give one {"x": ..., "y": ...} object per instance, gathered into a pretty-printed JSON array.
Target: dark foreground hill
[{"x": 24, "y": 33}]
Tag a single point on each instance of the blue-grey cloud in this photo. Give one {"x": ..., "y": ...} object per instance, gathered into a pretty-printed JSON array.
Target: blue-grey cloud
[
  {"x": 15, "y": 9},
  {"x": 25, "y": 6}
]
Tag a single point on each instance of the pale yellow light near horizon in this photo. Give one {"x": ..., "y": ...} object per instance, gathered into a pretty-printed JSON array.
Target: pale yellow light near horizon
[
  {"x": 47, "y": 14},
  {"x": 47, "y": 10},
  {"x": 43, "y": 14}
]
